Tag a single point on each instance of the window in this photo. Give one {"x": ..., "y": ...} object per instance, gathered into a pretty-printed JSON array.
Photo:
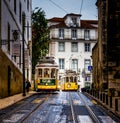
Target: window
[
  {"x": 61, "y": 46},
  {"x": 74, "y": 64},
  {"x": 61, "y": 33},
  {"x": 74, "y": 33},
  {"x": 87, "y": 85},
  {"x": 74, "y": 47},
  {"x": 75, "y": 79},
  {"x": 66, "y": 79},
  {"x": 74, "y": 20},
  {"x": 28, "y": 5},
  {"x": 53, "y": 73},
  {"x": 87, "y": 34},
  {"x": 20, "y": 7},
  {"x": 40, "y": 72},
  {"x": 61, "y": 63},
  {"x": 87, "y": 78},
  {"x": 15, "y": 6},
  {"x": 20, "y": 57},
  {"x": 8, "y": 37},
  {"x": 71, "y": 79},
  {"x": 28, "y": 30},
  {"x": 87, "y": 63},
  {"x": 46, "y": 73},
  {"x": 87, "y": 47}
]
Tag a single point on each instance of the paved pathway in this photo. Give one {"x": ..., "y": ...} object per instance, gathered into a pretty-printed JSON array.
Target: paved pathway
[{"x": 4, "y": 102}]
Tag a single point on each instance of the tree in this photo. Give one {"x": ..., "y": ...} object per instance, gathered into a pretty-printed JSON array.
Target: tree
[{"x": 40, "y": 36}]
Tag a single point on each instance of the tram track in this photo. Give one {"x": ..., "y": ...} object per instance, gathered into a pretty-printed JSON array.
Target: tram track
[
  {"x": 92, "y": 114},
  {"x": 72, "y": 109},
  {"x": 101, "y": 106},
  {"x": 37, "y": 107},
  {"x": 23, "y": 112},
  {"x": 66, "y": 107},
  {"x": 17, "y": 106}
]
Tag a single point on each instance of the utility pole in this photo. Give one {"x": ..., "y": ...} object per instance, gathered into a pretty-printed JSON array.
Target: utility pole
[
  {"x": 23, "y": 39},
  {"x": 0, "y": 24}
]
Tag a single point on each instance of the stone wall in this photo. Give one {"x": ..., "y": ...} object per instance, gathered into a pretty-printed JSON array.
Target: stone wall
[{"x": 10, "y": 77}]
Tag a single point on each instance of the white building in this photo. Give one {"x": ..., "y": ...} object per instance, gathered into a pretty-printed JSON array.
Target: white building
[
  {"x": 15, "y": 16},
  {"x": 71, "y": 44}
]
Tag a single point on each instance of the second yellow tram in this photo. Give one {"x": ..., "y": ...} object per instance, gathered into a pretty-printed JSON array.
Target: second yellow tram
[{"x": 69, "y": 82}]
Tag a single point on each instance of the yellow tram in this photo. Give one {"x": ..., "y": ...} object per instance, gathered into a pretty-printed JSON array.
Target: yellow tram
[
  {"x": 69, "y": 81},
  {"x": 46, "y": 75}
]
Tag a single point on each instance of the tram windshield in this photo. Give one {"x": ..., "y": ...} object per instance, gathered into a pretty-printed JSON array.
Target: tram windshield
[
  {"x": 47, "y": 73},
  {"x": 70, "y": 79}
]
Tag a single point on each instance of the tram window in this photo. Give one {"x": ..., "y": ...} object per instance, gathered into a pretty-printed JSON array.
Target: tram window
[
  {"x": 46, "y": 72},
  {"x": 75, "y": 79},
  {"x": 67, "y": 79},
  {"x": 53, "y": 73},
  {"x": 71, "y": 79},
  {"x": 40, "y": 72}
]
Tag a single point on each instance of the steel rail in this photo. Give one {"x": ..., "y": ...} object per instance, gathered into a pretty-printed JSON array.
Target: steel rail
[
  {"x": 92, "y": 114},
  {"x": 17, "y": 108},
  {"x": 21, "y": 108},
  {"x": 72, "y": 110},
  {"x": 27, "y": 116},
  {"x": 107, "y": 111}
]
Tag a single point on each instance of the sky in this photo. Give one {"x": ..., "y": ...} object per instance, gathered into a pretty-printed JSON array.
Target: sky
[{"x": 59, "y": 8}]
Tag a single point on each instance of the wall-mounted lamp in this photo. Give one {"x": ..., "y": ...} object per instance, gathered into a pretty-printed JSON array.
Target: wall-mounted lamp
[{"x": 15, "y": 35}]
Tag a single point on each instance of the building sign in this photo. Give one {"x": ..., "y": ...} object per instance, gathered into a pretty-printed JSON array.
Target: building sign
[
  {"x": 90, "y": 68},
  {"x": 16, "y": 48}
]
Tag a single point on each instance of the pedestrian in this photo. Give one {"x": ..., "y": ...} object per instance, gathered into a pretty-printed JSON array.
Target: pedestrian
[{"x": 27, "y": 85}]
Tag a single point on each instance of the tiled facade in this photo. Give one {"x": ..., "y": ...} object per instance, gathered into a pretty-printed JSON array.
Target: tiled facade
[
  {"x": 72, "y": 40},
  {"x": 13, "y": 14}
]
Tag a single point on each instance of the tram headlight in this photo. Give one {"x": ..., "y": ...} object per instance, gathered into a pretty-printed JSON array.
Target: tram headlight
[{"x": 69, "y": 85}]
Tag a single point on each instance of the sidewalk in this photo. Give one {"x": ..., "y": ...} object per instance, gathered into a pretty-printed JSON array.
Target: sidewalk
[{"x": 13, "y": 99}]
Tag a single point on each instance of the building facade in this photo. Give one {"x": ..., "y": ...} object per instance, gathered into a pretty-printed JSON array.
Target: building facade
[
  {"x": 108, "y": 45},
  {"x": 71, "y": 43},
  {"x": 106, "y": 55},
  {"x": 15, "y": 30}
]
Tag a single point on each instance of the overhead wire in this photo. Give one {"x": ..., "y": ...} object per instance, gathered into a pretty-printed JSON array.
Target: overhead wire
[
  {"x": 81, "y": 6},
  {"x": 64, "y": 9},
  {"x": 59, "y": 6}
]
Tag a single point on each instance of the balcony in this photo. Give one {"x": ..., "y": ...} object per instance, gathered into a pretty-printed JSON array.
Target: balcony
[{"x": 69, "y": 37}]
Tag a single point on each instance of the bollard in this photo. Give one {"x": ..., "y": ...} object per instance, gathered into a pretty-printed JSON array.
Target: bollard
[
  {"x": 116, "y": 104},
  {"x": 110, "y": 101},
  {"x": 106, "y": 99}
]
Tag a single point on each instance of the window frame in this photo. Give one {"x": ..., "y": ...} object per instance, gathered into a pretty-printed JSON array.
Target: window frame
[
  {"x": 61, "y": 33},
  {"x": 74, "y": 33},
  {"x": 61, "y": 63},
  {"x": 74, "y": 64},
  {"x": 61, "y": 46},
  {"x": 87, "y": 62},
  {"x": 74, "y": 47},
  {"x": 87, "y": 34},
  {"x": 87, "y": 47},
  {"x": 74, "y": 20}
]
